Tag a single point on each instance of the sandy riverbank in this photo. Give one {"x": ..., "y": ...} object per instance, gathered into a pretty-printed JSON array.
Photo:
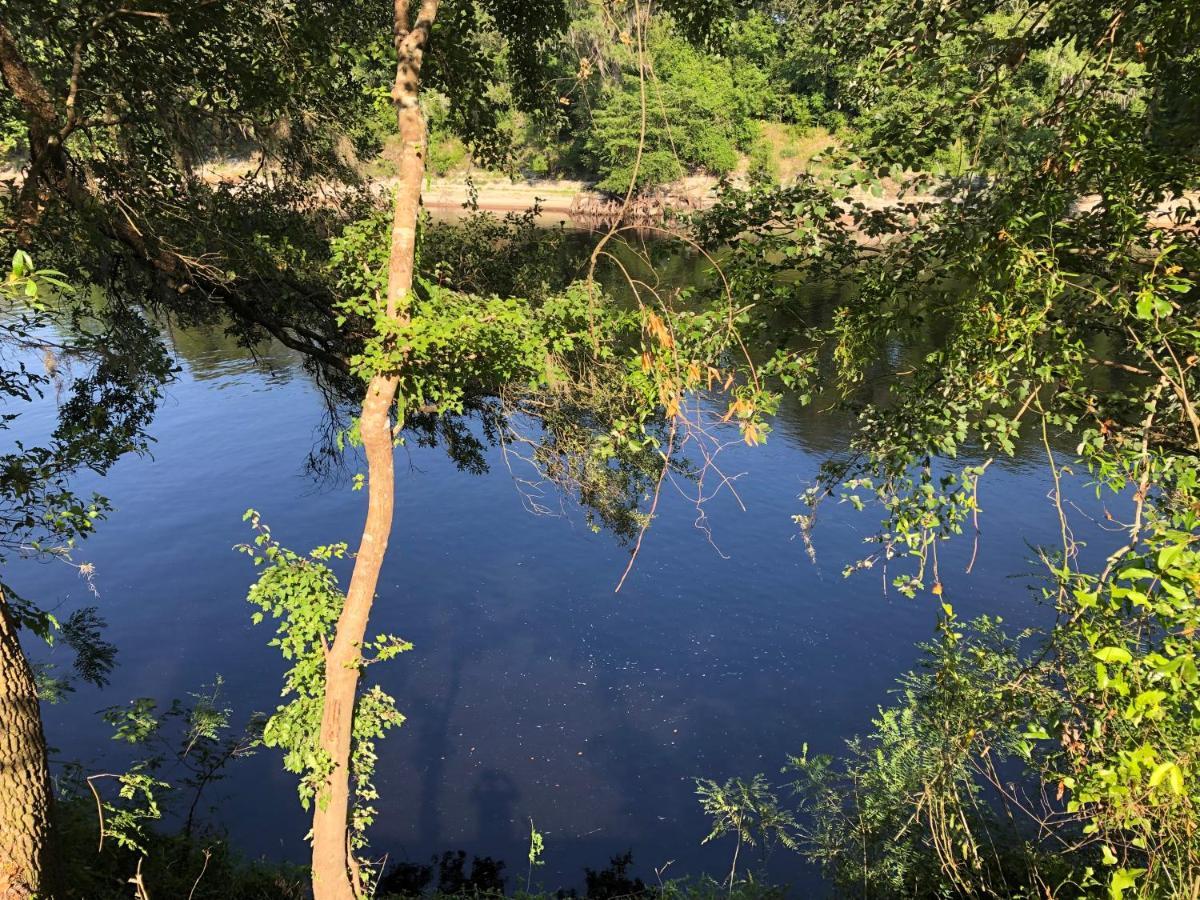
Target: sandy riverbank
[
  {"x": 562, "y": 199},
  {"x": 555, "y": 197}
]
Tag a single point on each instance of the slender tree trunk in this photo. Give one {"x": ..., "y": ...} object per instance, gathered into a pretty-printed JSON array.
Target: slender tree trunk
[
  {"x": 24, "y": 773},
  {"x": 334, "y": 871}
]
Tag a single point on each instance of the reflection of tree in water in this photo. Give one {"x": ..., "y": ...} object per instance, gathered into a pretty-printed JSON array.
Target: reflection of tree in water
[
  {"x": 553, "y": 431},
  {"x": 584, "y": 437},
  {"x": 105, "y": 368},
  {"x": 557, "y": 425},
  {"x": 209, "y": 351},
  {"x": 495, "y": 796}
]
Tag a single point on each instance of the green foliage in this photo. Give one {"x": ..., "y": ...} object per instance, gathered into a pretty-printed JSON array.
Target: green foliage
[
  {"x": 693, "y": 113},
  {"x": 179, "y": 84},
  {"x": 124, "y": 820},
  {"x": 569, "y": 348},
  {"x": 997, "y": 304},
  {"x": 12, "y": 135},
  {"x": 301, "y": 593},
  {"x": 138, "y": 106},
  {"x": 450, "y": 342},
  {"x": 750, "y": 811},
  {"x": 537, "y": 846},
  {"x": 149, "y": 815},
  {"x": 493, "y": 62},
  {"x": 202, "y": 866},
  {"x": 509, "y": 256},
  {"x": 180, "y": 753},
  {"x": 1127, "y": 756},
  {"x": 205, "y": 867},
  {"x": 447, "y": 152},
  {"x": 1011, "y": 310},
  {"x": 975, "y": 88},
  {"x": 920, "y": 808},
  {"x": 107, "y": 366},
  {"x": 190, "y": 743},
  {"x": 762, "y": 164},
  {"x": 924, "y": 800}
]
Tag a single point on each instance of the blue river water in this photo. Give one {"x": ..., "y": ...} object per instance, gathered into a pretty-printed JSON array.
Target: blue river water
[{"x": 534, "y": 691}]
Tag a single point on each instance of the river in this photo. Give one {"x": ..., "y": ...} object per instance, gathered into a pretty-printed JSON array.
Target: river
[{"x": 534, "y": 691}]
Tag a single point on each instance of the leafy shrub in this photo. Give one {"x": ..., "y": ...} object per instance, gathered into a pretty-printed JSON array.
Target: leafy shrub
[
  {"x": 912, "y": 810},
  {"x": 447, "y": 153}
]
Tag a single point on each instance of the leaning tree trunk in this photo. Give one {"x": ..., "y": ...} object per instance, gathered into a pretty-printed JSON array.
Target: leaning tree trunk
[
  {"x": 24, "y": 773},
  {"x": 335, "y": 873}
]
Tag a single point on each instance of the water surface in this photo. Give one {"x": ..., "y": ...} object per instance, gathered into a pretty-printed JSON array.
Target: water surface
[{"x": 533, "y": 690}]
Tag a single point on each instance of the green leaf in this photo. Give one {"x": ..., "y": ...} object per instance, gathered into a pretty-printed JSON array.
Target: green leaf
[
  {"x": 1145, "y": 306},
  {"x": 1170, "y": 772},
  {"x": 1123, "y": 880},
  {"x": 1113, "y": 655},
  {"x": 1168, "y": 555}
]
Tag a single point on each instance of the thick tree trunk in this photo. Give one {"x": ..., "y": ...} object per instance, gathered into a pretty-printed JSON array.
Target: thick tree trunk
[
  {"x": 24, "y": 773},
  {"x": 334, "y": 870}
]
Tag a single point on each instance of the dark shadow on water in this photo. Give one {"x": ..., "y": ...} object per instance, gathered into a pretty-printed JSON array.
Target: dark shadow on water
[{"x": 496, "y": 798}]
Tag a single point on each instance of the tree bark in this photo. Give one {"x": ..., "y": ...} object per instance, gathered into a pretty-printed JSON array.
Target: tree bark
[
  {"x": 333, "y": 867},
  {"x": 334, "y": 870},
  {"x": 24, "y": 772}
]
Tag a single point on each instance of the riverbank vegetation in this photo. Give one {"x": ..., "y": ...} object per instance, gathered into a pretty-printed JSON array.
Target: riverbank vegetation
[
  {"x": 1036, "y": 278},
  {"x": 763, "y": 94},
  {"x": 1048, "y": 319}
]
